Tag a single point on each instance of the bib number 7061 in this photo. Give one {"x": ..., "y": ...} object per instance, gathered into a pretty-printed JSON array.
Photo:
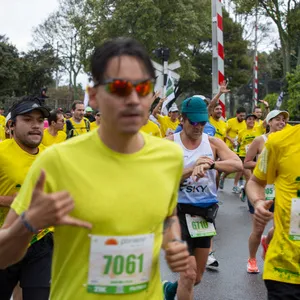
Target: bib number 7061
[{"x": 120, "y": 264}]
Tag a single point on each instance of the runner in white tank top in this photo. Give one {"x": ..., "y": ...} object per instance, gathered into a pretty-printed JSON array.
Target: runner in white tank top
[
  {"x": 276, "y": 121},
  {"x": 198, "y": 193}
]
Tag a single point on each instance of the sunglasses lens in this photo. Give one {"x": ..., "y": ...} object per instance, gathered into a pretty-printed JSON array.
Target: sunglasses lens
[
  {"x": 197, "y": 123},
  {"x": 122, "y": 88},
  {"x": 144, "y": 88}
]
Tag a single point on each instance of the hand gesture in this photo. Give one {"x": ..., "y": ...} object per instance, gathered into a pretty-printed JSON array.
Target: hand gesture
[
  {"x": 265, "y": 103},
  {"x": 156, "y": 94},
  {"x": 199, "y": 171},
  {"x": 53, "y": 209},
  {"x": 177, "y": 256},
  {"x": 262, "y": 215},
  {"x": 223, "y": 87},
  {"x": 204, "y": 160}
]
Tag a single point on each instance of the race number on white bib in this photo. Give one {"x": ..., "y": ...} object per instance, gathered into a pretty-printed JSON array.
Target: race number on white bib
[
  {"x": 120, "y": 264},
  {"x": 199, "y": 227},
  {"x": 270, "y": 192},
  {"x": 295, "y": 220}
]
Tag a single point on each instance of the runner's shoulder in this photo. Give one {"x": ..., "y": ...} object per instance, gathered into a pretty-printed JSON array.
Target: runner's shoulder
[
  {"x": 164, "y": 146},
  {"x": 285, "y": 136}
]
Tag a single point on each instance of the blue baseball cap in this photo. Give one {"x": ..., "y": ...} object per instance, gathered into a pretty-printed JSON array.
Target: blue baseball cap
[{"x": 195, "y": 109}]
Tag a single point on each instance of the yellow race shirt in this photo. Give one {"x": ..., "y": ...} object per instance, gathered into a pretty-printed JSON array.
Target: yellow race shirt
[
  {"x": 14, "y": 166},
  {"x": 2, "y": 120},
  {"x": 259, "y": 126},
  {"x": 93, "y": 125},
  {"x": 78, "y": 128},
  {"x": 2, "y": 133},
  {"x": 278, "y": 164},
  {"x": 151, "y": 128},
  {"x": 245, "y": 138},
  {"x": 233, "y": 129},
  {"x": 49, "y": 139},
  {"x": 126, "y": 198},
  {"x": 167, "y": 127},
  {"x": 220, "y": 126}
]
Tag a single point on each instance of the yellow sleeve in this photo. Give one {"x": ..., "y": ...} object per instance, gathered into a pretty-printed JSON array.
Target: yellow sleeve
[
  {"x": 160, "y": 119},
  {"x": 266, "y": 166},
  {"x": 157, "y": 131},
  {"x": 46, "y": 161},
  {"x": 174, "y": 199}
]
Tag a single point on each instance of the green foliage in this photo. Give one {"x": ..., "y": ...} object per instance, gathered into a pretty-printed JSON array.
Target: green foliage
[
  {"x": 272, "y": 100},
  {"x": 294, "y": 93}
]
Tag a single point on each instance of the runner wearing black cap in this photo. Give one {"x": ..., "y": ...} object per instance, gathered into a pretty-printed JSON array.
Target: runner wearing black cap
[{"x": 16, "y": 156}]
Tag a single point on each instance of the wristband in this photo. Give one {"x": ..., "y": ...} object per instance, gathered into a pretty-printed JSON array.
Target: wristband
[
  {"x": 212, "y": 166},
  {"x": 27, "y": 225}
]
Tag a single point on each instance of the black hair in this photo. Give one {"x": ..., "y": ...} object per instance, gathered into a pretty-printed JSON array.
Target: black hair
[
  {"x": 75, "y": 103},
  {"x": 241, "y": 110},
  {"x": 53, "y": 116},
  {"x": 118, "y": 47}
]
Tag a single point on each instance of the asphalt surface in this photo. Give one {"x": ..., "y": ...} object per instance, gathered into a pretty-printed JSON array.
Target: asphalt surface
[{"x": 231, "y": 281}]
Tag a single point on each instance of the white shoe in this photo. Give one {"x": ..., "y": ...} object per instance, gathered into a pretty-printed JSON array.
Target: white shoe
[{"x": 211, "y": 261}]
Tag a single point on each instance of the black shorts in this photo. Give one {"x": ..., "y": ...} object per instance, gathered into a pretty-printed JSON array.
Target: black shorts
[
  {"x": 200, "y": 242},
  {"x": 33, "y": 271},
  {"x": 251, "y": 208},
  {"x": 282, "y": 291}
]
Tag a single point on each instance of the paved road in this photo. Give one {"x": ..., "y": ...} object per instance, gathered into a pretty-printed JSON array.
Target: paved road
[{"x": 231, "y": 281}]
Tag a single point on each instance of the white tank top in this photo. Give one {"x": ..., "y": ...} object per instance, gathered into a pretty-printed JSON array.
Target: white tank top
[{"x": 202, "y": 193}]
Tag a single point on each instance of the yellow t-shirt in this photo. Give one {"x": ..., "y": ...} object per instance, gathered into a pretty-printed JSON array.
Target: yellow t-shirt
[
  {"x": 245, "y": 138},
  {"x": 2, "y": 120},
  {"x": 78, "y": 128},
  {"x": 220, "y": 126},
  {"x": 126, "y": 198},
  {"x": 167, "y": 127},
  {"x": 259, "y": 126},
  {"x": 49, "y": 139},
  {"x": 233, "y": 129},
  {"x": 93, "y": 125},
  {"x": 151, "y": 128},
  {"x": 278, "y": 164},
  {"x": 2, "y": 133}
]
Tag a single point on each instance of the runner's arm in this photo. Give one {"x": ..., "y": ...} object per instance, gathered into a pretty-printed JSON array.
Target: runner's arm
[
  {"x": 229, "y": 162},
  {"x": 6, "y": 201},
  {"x": 158, "y": 107},
  {"x": 256, "y": 190},
  {"x": 223, "y": 90},
  {"x": 251, "y": 154},
  {"x": 14, "y": 240},
  {"x": 172, "y": 231}
]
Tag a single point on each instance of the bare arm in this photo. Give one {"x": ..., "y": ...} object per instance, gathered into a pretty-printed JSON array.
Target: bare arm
[
  {"x": 256, "y": 190},
  {"x": 172, "y": 231},
  {"x": 6, "y": 201},
  {"x": 229, "y": 162},
  {"x": 215, "y": 99},
  {"x": 14, "y": 240},
  {"x": 158, "y": 107},
  {"x": 251, "y": 154}
]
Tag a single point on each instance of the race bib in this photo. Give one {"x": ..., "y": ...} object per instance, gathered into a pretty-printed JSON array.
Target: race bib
[
  {"x": 199, "y": 227},
  {"x": 270, "y": 192},
  {"x": 294, "y": 234},
  {"x": 120, "y": 264}
]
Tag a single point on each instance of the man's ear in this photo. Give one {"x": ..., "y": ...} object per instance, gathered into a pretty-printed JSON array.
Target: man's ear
[{"x": 92, "y": 98}]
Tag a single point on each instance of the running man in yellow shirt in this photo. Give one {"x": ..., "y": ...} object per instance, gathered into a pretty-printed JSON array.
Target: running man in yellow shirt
[
  {"x": 277, "y": 165},
  {"x": 126, "y": 191},
  {"x": 16, "y": 157},
  {"x": 168, "y": 124},
  {"x": 54, "y": 134},
  {"x": 234, "y": 126}
]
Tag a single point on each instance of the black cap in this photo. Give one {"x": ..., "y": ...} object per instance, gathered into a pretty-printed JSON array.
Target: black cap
[
  {"x": 251, "y": 115},
  {"x": 28, "y": 106}
]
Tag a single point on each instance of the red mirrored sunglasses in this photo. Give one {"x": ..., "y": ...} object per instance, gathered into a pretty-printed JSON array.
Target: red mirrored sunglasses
[{"x": 124, "y": 88}]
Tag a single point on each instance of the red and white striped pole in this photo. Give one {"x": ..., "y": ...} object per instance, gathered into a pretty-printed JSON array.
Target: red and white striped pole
[{"x": 218, "y": 51}]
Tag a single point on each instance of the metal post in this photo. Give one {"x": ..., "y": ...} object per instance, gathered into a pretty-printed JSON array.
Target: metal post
[
  {"x": 165, "y": 56},
  {"x": 56, "y": 75}
]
